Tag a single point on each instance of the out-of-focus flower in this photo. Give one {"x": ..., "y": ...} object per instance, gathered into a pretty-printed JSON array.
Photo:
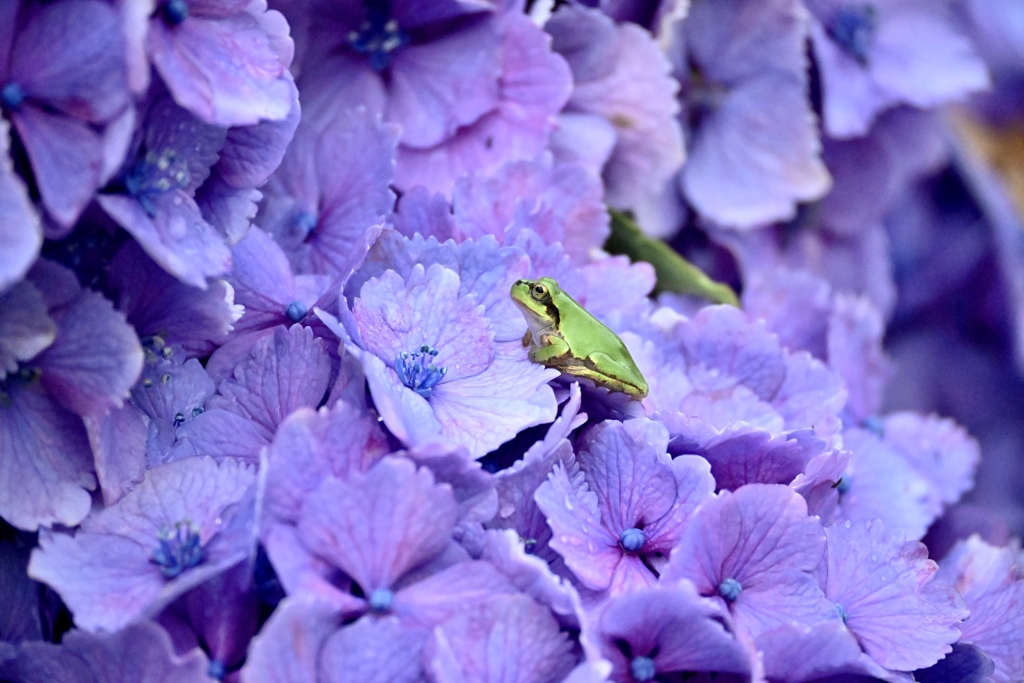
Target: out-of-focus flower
[
  {"x": 332, "y": 187},
  {"x": 623, "y": 92},
  {"x": 754, "y": 152},
  {"x": 874, "y": 55}
]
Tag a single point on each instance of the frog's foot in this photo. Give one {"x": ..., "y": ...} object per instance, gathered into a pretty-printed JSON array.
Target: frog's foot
[
  {"x": 553, "y": 349},
  {"x": 528, "y": 338}
]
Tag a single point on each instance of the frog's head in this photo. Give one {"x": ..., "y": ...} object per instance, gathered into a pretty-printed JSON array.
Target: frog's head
[{"x": 535, "y": 298}]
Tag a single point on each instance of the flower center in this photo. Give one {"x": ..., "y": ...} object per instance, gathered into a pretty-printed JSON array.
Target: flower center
[
  {"x": 632, "y": 540},
  {"x": 730, "y": 589},
  {"x": 12, "y": 95},
  {"x": 381, "y": 600},
  {"x": 178, "y": 550},
  {"x": 378, "y": 36},
  {"x": 853, "y": 27},
  {"x": 843, "y": 485},
  {"x": 296, "y": 311},
  {"x": 154, "y": 175},
  {"x": 642, "y": 668},
  {"x": 175, "y": 11},
  {"x": 418, "y": 372}
]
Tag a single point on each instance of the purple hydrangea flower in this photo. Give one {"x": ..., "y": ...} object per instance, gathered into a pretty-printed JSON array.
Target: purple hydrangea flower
[
  {"x": 873, "y": 55},
  {"x": 887, "y": 594},
  {"x": 507, "y": 638},
  {"x": 435, "y": 370},
  {"x": 989, "y": 579},
  {"x": 168, "y": 313},
  {"x": 62, "y": 76},
  {"x": 753, "y": 551},
  {"x": 139, "y": 653},
  {"x": 734, "y": 369},
  {"x": 617, "y": 512},
  {"x": 185, "y": 523},
  {"x": 170, "y": 394},
  {"x": 225, "y": 61},
  {"x": 668, "y": 628},
  {"x": 285, "y": 370},
  {"x": 331, "y": 188},
  {"x": 66, "y": 354},
  {"x": 794, "y": 654},
  {"x": 755, "y": 150},
  {"x": 622, "y": 83}
]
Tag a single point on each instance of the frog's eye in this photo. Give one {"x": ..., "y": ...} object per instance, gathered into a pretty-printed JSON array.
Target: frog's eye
[{"x": 539, "y": 292}]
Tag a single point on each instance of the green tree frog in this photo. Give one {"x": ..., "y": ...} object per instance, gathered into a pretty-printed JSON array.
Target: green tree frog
[{"x": 565, "y": 336}]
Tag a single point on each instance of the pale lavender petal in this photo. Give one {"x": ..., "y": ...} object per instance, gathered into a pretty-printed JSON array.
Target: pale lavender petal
[
  {"x": 285, "y": 371},
  {"x": 118, "y": 441},
  {"x": 634, "y": 91},
  {"x": 288, "y": 648},
  {"x": 938, "y": 448}
]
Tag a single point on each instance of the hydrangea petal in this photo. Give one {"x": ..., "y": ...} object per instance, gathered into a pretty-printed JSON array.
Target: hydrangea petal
[
  {"x": 71, "y": 57},
  {"x": 310, "y": 446},
  {"x": 938, "y": 448},
  {"x": 46, "y": 467},
  {"x": 66, "y": 160},
  {"x": 95, "y": 359},
  {"x": 379, "y": 524},
  {"x": 761, "y": 537},
  {"x": 901, "y": 615},
  {"x": 801, "y": 655},
  {"x": 158, "y": 304},
  {"x": 675, "y": 627},
  {"x": 118, "y": 441},
  {"x": 200, "y": 59},
  {"x": 25, "y": 327},
  {"x": 176, "y": 237},
  {"x": 284, "y": 372},
  {"x": 20, "y": 230},
  {"x": 372, "y": 651},
  {"x": 507, "y": 638},
  {"x": 990, "y": 582},
  {"x": 139, "y": 653},
  {"x": 288, "y": 647}
]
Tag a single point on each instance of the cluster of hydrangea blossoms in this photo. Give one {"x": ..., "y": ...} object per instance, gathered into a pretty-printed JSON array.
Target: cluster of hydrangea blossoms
[{"x": 266, "y": 414}]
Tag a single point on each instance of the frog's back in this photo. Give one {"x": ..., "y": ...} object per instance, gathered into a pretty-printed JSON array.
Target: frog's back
[{"x": 598, "y": 336}]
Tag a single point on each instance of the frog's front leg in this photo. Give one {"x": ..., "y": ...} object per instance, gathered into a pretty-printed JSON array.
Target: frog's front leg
[{"x": 552, "y": 348}]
